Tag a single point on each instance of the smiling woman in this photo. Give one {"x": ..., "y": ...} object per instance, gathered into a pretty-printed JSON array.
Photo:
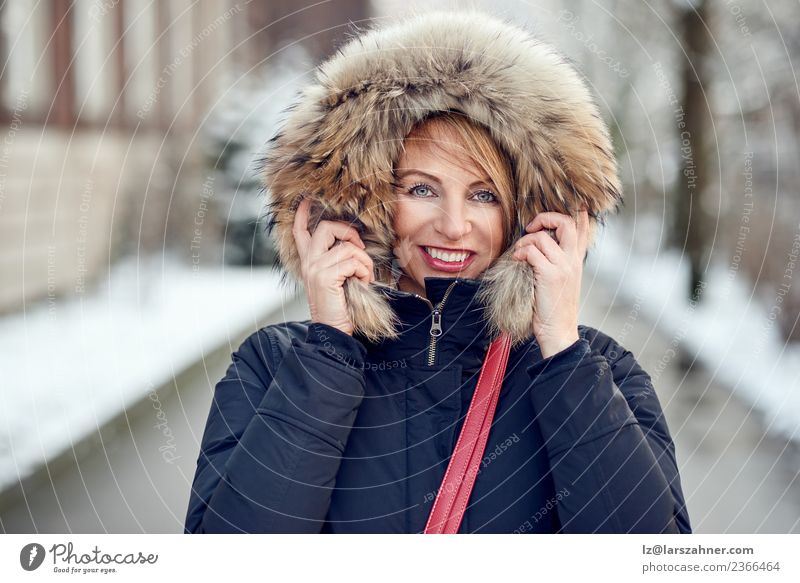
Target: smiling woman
[
  {"x": 454, "y": 201},
  {"x": 402, "y": 220}
]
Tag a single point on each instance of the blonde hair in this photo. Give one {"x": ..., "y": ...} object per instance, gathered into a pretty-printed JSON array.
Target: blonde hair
[{"x": 484, "y": 152}]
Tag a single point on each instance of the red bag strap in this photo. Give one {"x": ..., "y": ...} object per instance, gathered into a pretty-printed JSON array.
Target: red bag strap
[{"x": 451, "y": 500}]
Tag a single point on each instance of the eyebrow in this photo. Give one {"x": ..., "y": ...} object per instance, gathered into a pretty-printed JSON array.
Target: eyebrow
[{"x": 432, "y": 178}]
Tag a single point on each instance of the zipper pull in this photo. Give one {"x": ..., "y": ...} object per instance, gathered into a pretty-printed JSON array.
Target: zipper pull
[{"x": 436, "y": 323}]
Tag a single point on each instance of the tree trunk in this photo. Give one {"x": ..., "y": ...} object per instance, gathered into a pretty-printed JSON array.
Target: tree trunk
[{"x": 692, "y": 226}]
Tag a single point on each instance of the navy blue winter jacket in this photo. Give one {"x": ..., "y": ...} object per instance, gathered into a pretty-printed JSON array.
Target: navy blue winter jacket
[{"x": 313, "y": 430}]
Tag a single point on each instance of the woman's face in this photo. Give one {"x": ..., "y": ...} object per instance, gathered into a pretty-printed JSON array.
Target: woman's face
[{"x": 448, "y": 221}]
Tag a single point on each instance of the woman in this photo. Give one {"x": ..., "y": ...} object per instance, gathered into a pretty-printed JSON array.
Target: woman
[{"x": 438, "y": 185}]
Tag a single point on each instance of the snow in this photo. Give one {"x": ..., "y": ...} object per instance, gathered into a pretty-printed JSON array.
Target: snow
[
  {"x": 72, "y": 366},
  {"x": 730, "y": 330}
]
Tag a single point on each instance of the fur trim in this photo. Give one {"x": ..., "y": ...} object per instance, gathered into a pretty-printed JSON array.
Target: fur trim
[{"x": 342, "y": 137}]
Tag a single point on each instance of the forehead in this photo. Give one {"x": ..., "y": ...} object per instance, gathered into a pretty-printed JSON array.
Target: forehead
[{"x": 441, "y": 154}]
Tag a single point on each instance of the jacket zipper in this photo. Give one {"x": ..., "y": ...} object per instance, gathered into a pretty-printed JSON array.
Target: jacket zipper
[{"x": 436, "y": 322}]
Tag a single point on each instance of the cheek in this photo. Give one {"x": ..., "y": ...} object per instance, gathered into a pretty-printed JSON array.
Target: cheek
[
  {"x": 409, "y": 218},
  {"x": 400, "y": 220},
  {"x": 491, "y": 223}
]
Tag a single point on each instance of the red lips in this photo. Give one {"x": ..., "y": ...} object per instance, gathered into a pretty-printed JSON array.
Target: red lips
[{"x": 448, "y": 266}]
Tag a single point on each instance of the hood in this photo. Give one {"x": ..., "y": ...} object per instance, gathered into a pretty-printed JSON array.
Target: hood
[{"x": 341, "y": 137}]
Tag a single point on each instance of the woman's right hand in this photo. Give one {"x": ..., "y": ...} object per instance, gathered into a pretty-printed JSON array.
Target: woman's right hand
[{"x": 327, "y": 258}]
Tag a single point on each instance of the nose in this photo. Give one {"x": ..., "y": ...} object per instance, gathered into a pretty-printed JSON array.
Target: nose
[{"x": 453, "y": 221}]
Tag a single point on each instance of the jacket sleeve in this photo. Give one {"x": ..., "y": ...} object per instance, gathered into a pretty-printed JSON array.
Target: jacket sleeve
[
  {"x": 275, "y": 434},
  {"x": 609, "y": 447}
]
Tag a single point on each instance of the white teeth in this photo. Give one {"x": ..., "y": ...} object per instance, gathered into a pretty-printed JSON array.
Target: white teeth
[{"x": 444, "y": 256}]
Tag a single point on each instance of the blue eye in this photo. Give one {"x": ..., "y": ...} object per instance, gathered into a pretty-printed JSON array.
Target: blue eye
[
  {"x": 416, "y": 188},
  {"x": 493, "y": 197}
]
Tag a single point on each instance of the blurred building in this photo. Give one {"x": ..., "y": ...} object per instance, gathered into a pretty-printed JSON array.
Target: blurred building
[{"x": 101, "y": 105}]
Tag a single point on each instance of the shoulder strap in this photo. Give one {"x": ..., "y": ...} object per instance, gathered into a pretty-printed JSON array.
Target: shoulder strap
[{"x": 451, "y": 500}]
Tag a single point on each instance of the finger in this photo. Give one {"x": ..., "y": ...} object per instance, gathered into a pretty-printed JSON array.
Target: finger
[
  {"x": 300, "y": 227},
  {"x": 545, "y": 243},
  {"x": 566, "y": 229},
  {"x": 534, "y": 257},
  {"x": 340, "y": 252},
  {"x": 530, "y": 238},
  {"x": 328, "y": 232},
  {"x": 348, "y": 268}
]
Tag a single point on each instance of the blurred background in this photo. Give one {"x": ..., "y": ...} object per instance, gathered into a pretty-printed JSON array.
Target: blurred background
[{"x": 134, "y": 258}]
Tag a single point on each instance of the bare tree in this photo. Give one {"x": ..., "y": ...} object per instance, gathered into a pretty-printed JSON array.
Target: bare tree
[{"x": 692, "y": 224}]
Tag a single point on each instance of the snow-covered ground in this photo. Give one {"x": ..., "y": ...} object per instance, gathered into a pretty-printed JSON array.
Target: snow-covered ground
[
  {"x": 71, "y": 366},
  {"x": 731, "y": 330}
]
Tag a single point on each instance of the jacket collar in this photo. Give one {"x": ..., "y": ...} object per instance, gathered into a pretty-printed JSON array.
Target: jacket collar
[{"x": 464, "y": 338}]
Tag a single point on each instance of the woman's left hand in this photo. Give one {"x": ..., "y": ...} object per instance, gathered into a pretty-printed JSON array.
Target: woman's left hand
[{"x": 557, "y": 267}]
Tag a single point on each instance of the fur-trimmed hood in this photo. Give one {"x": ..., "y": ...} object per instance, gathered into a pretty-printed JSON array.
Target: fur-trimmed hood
[{"x": 343, "y": 135}]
